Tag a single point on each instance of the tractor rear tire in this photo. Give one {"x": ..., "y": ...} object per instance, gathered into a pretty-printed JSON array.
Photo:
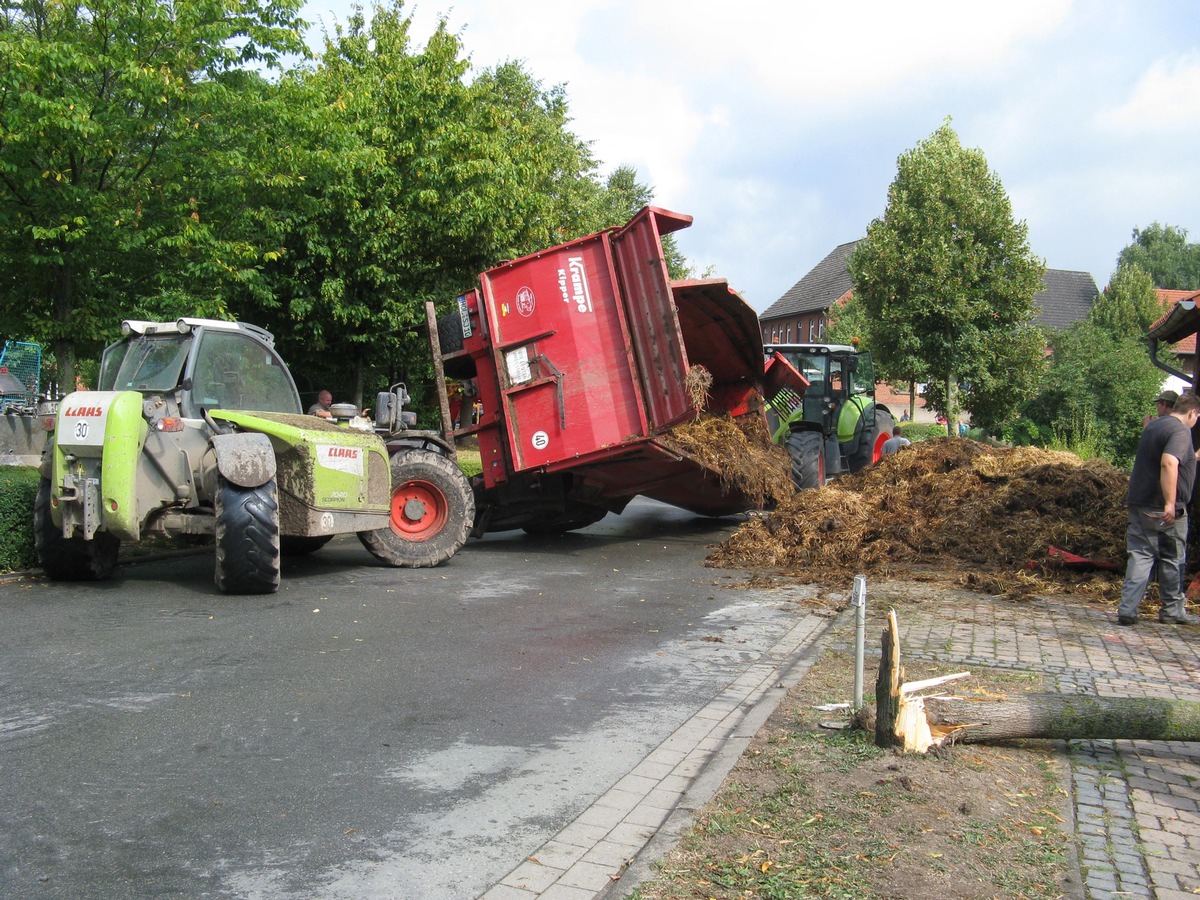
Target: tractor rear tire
[
  {"x": 248, "y": 543},
  {"x": 432, "y": 512},
  {"x": 807, "y": 450},
  {"x": 70, "y": 559},
  {"x": 870, "y": 448}
]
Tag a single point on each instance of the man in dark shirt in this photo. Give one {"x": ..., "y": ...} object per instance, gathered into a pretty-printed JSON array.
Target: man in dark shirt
[{"x": 1160, "y": 489}]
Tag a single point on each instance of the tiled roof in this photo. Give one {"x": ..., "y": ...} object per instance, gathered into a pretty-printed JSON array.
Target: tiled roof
[
  {"x": 1065, "y": 299},
  {"x": 823, "y": 286},
  {"x": 1170, "y": 300}
]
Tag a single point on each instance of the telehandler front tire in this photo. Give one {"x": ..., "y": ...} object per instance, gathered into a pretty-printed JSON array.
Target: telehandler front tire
[
  {"x": 247, "y": 532},
  {"x": 432, "y": 512},
  {"x": 70, "y": 559}
]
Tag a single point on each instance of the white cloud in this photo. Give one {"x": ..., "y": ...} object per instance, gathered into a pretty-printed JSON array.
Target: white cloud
[
  {"x": 777, "y": 123},
  {"x": 1165, "y": 101},
  {"x": 830, "y": 53}
]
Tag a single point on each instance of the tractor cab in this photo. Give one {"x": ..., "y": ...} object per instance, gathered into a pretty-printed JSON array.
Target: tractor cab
[{"x": 838, "y": 406}]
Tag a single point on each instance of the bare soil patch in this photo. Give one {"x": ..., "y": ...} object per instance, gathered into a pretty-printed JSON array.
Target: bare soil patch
[{"x": 814, "y": 812}]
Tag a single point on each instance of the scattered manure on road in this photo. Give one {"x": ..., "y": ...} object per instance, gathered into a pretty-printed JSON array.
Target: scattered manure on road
[{"x": 740, "y": 452}]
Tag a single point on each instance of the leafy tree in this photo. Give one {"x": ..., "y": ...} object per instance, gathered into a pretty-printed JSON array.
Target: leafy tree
[
  {"x": 849, "y": 323},
  {"x": 1096, "y": 392},
  {"x": 952, "y": 275},
  {"x": 94, "y": 97},
  {"x": 418, "y": 181},
  {"x": 1101, "y": 377},
  {"x": 1129, "y": 305},
  {"x": 1164, "y": 252}
]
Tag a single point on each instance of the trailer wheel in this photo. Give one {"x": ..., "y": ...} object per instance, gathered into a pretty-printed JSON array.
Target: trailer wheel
[
  {"x": 870, "y": 448},
  {"x": 577, "y": 516},
  {"x": 70, "y": 559},
  {"x": 432, "y": 512},
  {"x": 807, "y": 451},
  {"x": 450, "y": 339},
  {"x": 450, "y": 335},
  {"x": 247, "y": 533},
  {"x": 302, "y": 545}
]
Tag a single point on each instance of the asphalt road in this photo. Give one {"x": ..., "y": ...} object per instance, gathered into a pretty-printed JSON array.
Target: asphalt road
[{"x": 367, "y": 731}]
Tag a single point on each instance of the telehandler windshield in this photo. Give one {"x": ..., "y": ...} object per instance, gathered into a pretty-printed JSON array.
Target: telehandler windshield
[{"x": 145, "y": 363}]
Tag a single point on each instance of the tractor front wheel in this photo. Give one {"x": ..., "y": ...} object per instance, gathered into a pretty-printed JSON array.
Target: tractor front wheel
[
  {"x": 870, "y": 447},
  {"x": 432, "y": 512},
  {"x": 70, "y": 559},
  {"x": 247, "y": 533},
  {"x": 807, "y": 450}
]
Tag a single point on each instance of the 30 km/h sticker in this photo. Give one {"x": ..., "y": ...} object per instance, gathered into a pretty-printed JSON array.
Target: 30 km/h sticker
[{"x": 541, "y": 440}]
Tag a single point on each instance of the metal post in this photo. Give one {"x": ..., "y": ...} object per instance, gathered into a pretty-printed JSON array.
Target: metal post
[{"x": 859, "y": 599}]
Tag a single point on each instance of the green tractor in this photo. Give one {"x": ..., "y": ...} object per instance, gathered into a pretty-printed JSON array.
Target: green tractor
[
  {"x": 196, "y": 429},
  {"x": 836, "y": 426}
]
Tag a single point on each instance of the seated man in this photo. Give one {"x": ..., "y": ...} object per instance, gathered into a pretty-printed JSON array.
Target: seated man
[{"x": 321, "y": 407}]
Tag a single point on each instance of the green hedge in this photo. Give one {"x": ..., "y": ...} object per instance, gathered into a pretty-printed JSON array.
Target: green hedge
[
  {"x": 18, "y": 487},
  {"x": 920, "y": 431}
]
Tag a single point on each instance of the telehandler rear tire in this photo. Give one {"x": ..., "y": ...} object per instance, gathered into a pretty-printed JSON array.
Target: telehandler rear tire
[
  {"x": 247, "y": 532},
  {"x": 70, "y": 559},
  {"x": 432, "y": 512},
  {"x": 807, "y": 450}
]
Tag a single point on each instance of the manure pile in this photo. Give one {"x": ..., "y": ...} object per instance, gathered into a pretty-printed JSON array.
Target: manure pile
[
  {"x": 743, "y": 455},
  {"x": 981, "y": 514}
]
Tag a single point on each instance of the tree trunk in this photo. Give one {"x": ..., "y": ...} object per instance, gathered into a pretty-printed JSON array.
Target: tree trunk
[
  {"x": 1066, "y": 717},
  {"x": 887, "y": 686},
  {"x": 905, "y": 718},
  {"x": 64, "y": 344},
  {"x": 357, "y": 399}
]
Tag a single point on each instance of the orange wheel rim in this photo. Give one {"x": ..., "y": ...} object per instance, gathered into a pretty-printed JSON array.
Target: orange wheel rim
[{"x": 419, "y": 510}]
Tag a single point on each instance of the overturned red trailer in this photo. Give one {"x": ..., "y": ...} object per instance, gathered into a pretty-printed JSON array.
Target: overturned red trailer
[{"x": 583, "y": 357}]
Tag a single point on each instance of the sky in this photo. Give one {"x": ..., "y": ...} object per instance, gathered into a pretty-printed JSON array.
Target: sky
[{"x": 777, "y": 124}]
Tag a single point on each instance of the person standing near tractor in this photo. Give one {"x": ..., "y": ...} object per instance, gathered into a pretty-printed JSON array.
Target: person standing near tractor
[{"x": 1160, "y": 489}]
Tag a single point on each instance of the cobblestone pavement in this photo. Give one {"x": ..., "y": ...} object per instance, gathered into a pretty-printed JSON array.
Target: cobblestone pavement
[{"x": 1136, "y": 803}]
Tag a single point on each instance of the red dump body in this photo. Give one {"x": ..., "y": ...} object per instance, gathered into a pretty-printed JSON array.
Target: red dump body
[{"x": 581, "y": 355}]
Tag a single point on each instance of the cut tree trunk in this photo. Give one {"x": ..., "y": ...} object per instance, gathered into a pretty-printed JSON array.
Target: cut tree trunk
[
  {"x": 904, "y": 718},
  {"x": 1066, "y": 717}
]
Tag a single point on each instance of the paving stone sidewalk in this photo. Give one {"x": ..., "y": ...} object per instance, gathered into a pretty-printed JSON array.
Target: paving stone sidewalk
[{"x": 1136, "y": 803}]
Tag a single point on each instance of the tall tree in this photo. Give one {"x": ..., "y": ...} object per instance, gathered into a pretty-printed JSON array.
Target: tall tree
[
  {"x": 419, "y": 179},
  {"x": 93, "y": 97},
  {"x": 1129, "y": 305},
  {"x": 1164, "y": 252},
  {"x": 1101, "y": 378},
  {"x": 951, "y": 273}
]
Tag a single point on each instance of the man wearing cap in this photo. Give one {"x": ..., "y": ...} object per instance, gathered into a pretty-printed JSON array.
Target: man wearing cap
[{"x": 1163, "y": 403}]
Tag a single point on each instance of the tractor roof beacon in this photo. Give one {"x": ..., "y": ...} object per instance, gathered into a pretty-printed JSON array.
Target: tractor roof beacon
[
  {"x": 196, "y": 429},
  {"x": 836, "y": 426}
]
